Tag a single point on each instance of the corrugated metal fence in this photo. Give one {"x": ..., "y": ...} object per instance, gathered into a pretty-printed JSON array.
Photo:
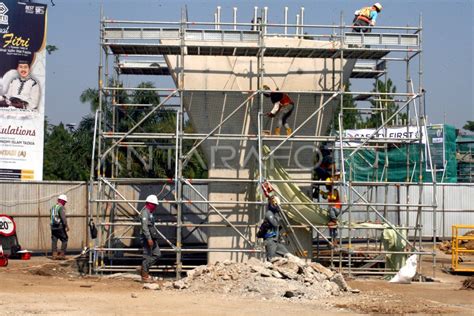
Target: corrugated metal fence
[{"x": 29, "y": 203}]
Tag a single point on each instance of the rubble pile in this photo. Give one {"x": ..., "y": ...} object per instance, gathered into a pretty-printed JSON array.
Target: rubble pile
[{"x": 289, "y": 277}]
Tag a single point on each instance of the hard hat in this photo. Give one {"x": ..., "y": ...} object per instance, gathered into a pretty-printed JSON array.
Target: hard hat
[
  {"x": 265, "y": 87},
  {"x": 275, "y": 200},
  {"x": 378, "y": 6},
  {"x": 62, "y": 197},
  {"x": 152, "y": 199}
]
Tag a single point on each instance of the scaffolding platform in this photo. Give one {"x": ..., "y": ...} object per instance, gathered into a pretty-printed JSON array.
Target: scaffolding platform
[{"x": 219, "y": 71}]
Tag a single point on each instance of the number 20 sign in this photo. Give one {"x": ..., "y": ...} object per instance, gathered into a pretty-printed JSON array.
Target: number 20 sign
[{"x": 7, "y": 226}]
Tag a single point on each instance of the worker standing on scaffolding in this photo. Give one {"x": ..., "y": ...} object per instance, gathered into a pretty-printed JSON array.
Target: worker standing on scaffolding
[
  {"x": 270, "y": 229},
  {"x": 149, "y": 237},
  {"x": 334, "y": 200},
  {"x": 282, "y": 106},
  {"x": 366, "y": 17}
]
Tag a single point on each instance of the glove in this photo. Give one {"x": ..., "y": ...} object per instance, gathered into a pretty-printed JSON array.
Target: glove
[
  {"x": 150, "y": 243},
  {"x": 270, "y": 114}
]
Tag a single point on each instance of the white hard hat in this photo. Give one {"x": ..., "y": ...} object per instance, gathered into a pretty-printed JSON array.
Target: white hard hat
[
  {"x": 378, "y": 6},
  {"x": 62, "y": 197},
  {"x": 152, "y": 199}
]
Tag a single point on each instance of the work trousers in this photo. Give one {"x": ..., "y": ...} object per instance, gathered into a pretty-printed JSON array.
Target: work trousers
[
  {"x": 333, "y": 215},
  {"x": 150, "y": 255},
  {"x": 274, "y": 248},
  {"x": 59, "y": 233},
  {"x": 361, "y": 26},
  {"x": 283, "y": 112}
]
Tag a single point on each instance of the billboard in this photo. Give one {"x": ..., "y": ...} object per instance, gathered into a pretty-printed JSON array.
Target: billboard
[{"x": 22, "y": 89}]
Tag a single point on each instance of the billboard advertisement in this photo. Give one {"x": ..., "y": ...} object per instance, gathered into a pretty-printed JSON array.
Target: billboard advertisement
[{"x": 22, "y": 89}]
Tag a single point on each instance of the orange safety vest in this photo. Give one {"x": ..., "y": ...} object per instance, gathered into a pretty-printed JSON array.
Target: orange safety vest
[
  {"x": 364, "y": 14},
  {"x": 334, "y": 199}
]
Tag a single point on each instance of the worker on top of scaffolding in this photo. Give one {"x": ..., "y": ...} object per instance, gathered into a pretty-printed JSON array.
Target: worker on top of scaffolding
[
  {"x": 334, "y": 200},
  {"x": 366, "y": 17},
  {"x": 270, "y": 229},
  {"x": 149, "y": 237},
  {"x": 282, "y": 106}
]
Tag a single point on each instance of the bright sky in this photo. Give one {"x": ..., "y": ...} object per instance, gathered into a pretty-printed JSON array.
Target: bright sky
[{"x": 73, "y": 26}]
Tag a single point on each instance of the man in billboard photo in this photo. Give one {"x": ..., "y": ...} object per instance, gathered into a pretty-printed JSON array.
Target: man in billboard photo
[{"x": 23, "y": 91}]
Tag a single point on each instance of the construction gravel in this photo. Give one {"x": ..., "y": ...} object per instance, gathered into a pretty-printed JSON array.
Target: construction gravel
[{"x": 282, "y": 278}]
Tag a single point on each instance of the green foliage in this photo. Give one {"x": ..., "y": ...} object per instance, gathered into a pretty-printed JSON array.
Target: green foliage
[
  {"x": 351, "y": 118},
  {"x": 375, "y": 118},
  {"x": 469, "y": 126},
  {"x": 51, "y": 48},
  {"x": 67, "y": 154}
]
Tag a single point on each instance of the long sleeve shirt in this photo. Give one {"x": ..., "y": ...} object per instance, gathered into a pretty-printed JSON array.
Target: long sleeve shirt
[
  {"x": 147, "y": 223},
  {"x": 27, "y": 90},
  {"x": 60, "y": 211},
  {"x": 273, "y": 217}
]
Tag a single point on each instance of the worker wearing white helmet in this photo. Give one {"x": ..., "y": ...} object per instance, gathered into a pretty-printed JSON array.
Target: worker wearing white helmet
[
  {"x": 366, "y": 17},
  {"x": 59, "y": 228},
  {"x": 149, "y": 237}
]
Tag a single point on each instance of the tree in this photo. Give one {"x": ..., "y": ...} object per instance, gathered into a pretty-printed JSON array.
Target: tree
[
  {"x": 469, "y": 126},
  {"x": 58, "y": 161},
  {"x": 388, "y": 108},
  {"x": 350, "y": 118}
]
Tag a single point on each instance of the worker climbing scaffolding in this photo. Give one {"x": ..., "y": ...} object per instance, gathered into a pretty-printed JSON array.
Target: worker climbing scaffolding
[{"x": 283, "y": 107}]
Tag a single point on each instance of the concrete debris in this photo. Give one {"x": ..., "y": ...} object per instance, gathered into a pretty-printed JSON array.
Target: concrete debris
[
  {"x": 151, "y": 286},
  {"x": 133, "y": 295},
  {"x": 123, "y": 276},
  {"x": 468, "y": 284},
  {"x": 282, "y": 278},
  {"x": 180, "y": 284}
]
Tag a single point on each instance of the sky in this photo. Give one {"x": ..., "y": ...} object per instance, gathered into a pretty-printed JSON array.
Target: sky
[{"x": 73, "y": 26}]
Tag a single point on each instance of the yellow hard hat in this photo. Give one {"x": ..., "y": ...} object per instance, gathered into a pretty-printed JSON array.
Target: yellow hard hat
[
  {"x": 378, "y": 6},
  {"x": 265, "y": 87}
]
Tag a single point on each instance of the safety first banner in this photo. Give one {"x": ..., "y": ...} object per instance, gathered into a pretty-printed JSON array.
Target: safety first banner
[
  {"x": 357, "y": 136},
  {"x": 22, "y": 89}
]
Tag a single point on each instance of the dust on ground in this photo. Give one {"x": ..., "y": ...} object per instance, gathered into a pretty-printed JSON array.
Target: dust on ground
[{"x": 42, "y": 286}]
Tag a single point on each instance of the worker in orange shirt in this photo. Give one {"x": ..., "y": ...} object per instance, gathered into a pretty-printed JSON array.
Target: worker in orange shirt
[{"x": 282, "y": 106}]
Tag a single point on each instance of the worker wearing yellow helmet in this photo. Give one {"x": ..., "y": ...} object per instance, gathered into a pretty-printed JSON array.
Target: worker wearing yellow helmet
[{"x": 366, "y": 17}]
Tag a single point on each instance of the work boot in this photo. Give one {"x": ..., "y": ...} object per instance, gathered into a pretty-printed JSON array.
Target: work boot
[
  {"x": 289, "y": 131},
  {"x": 277, "y": 131},
  {"x": 146, "y": 278},
  {"x": 61, "y": 256},
  {"x": 54, "y": 256}
]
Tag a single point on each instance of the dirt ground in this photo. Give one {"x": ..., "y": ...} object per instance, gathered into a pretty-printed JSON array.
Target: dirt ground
[{"x": 41, "y": 286}]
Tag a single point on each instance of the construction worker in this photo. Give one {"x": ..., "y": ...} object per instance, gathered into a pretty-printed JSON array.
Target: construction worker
[
  {"x": 149, "y": 237},
  {"x": 271, "y": 229},
  {"x": 59, "y": 228},
  {"x": 334, "y": 200},
  {"x": 282, "y": 105},
  {"x": 366, "y": 17}
]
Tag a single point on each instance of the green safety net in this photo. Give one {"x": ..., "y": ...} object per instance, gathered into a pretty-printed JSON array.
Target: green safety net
[
  {"x": 317, "y": 215},
  {"x": 393, "y": 166}
]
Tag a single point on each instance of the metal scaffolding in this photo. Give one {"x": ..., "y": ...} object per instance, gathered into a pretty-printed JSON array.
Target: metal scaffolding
[{"x": 143, "y": 48}]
